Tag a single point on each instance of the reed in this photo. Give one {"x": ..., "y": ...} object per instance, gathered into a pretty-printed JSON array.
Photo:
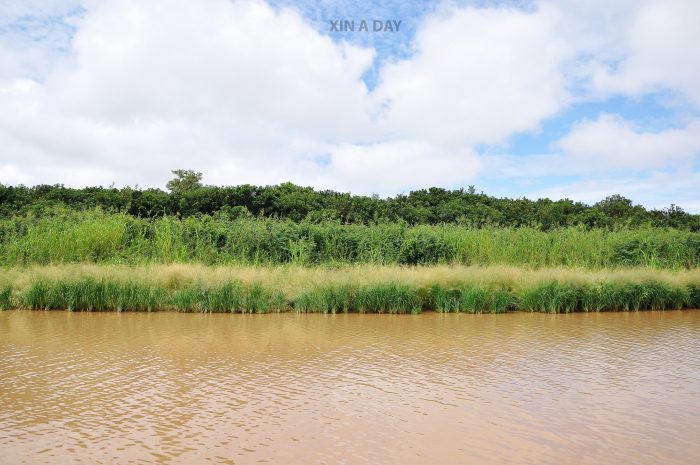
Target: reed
[{"x": 97, "y": 237}]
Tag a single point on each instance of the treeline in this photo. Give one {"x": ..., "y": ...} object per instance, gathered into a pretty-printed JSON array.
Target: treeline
[
  {"x": 98, "y": 237},
  {"x": 305, "y": 205}
]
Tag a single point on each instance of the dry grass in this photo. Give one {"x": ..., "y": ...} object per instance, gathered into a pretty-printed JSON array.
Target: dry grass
[
  {"x": 361, "y": 288},
  {"x": 294, "y": 280}
]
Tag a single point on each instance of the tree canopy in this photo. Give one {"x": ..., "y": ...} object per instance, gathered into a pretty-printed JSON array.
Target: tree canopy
[
  {"x": 188, "y": 197},
  {"x": 184, "y": 181}
]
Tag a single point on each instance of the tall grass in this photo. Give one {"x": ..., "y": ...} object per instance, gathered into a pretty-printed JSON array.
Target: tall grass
[
  {"x": 5, "y": 297},
  {"x": 96, "y": 237},
  {"x": 354, "y": 289},
  {"x": 90, "y": 294},
  {"x": 619, "y": 296},
  {"x": 378, "y": 298},
  {"x": 230, "y": 297},
  {"x": 471, "y": 298}
]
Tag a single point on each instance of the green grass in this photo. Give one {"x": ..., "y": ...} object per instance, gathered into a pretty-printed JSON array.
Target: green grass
[
  {"x": 328, "y": 299},
  {"x": 231, "y": 297},
  {"x": 95, "y": 237},
  {"x": 102, "y": 295},
  {"x": 470, "y": 299},
  {"x": 694, "y": 294},
  {"x": 557, "y": 297},
  {"x": 377, "y": 298},
  {"x": 211, "y": 290},
  {"x": 92, "y": 295},
  {"x": 5, "y": 297}
]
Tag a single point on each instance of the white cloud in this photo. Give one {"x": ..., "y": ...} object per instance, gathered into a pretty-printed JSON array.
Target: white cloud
[
  {"x": 478, "y": 76},
  {"x": 34, "y": 35},
  {"x": 608, "y": 144},
  {"x": 248, "y": 93},
  {"x": 659, "y": 52},
  {"x": 611, "y": 143},
  {"x": 391, "y": 167},
  {"x": 654, "y": 190},
  {"x": 252, "y": 94},
  {"x": 162, "y": 84}
]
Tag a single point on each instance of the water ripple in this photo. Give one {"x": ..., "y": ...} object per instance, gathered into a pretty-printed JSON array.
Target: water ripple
[{"x": 355, "y": 389}]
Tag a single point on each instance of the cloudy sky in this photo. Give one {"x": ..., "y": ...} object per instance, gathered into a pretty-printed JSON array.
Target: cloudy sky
[{"x": 577, "y": 99}]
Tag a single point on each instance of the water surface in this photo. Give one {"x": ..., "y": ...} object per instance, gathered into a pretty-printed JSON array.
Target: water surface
[{"x": 87, "y": 388}]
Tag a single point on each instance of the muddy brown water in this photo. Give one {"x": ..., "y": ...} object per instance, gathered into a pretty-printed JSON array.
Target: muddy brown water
[{"x": 87, "y": 388}]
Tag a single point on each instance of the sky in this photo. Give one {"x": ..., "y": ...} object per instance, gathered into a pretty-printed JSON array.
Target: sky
[{"x": 542, "y": 98}]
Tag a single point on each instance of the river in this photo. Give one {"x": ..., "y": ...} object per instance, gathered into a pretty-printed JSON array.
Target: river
[{"x": 116, "y": 388}]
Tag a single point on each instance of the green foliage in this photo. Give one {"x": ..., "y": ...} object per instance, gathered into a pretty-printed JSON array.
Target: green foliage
[
  {"x": 184, "y": 181},
  {"x": 661, "y": 250},
  {"x": 187, "y": 197},
  {"x": 98, "y": 237},
  {"x": 424, "y": 246}
]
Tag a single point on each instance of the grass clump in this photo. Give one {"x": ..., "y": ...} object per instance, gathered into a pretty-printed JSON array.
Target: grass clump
[
  {"x": 5, "y": 297},
  {"x": 340, "y": 290},
  {"x": 388, "y": 298},
  {"x": 327, "y": 299},
  {"x": 376, "y": 298},
  {"x": 694, "y": 295},
  {"x": 232, "y": 297},
  {"x": 552, "y": 297},
  {"x": 92, "y": 295},
  {"x": 470, "y": 299},
  {"x": 562, "y": 297}
]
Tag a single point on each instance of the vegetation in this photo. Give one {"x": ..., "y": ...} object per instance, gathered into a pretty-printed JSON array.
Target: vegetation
[
  {"x": 275, "y": 248},
  {"x": 5, "y": 297},
  {"x": 184, "y": 181},
  {"x": 346, "y": 289},
  {"x": 98, "y": 237},
  {"x": 188, "y": 197}
]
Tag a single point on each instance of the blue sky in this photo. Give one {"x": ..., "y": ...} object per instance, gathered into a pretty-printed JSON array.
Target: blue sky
[{"x": 541, "y": 98}]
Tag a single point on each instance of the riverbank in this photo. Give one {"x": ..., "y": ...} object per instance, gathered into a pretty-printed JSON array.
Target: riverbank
[{"x": 368, "y": 288}]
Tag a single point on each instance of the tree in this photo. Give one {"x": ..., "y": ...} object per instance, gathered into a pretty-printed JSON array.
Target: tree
[
  {"x": 616, "y": 206},
  {"x": 184, "y": 181}
]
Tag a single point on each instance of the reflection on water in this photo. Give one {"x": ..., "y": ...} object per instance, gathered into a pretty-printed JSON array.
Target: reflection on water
[{"x": 357, "y": 389}]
